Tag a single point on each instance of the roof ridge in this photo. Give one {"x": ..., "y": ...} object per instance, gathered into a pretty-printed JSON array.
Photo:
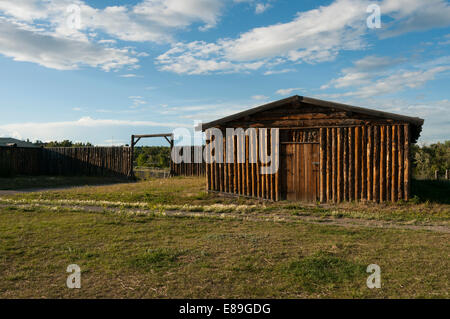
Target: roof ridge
[{"x": 268, "y": 106}]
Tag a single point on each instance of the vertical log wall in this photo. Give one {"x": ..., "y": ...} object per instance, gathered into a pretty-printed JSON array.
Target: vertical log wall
[
  {"x": 244, "y": 177},
  {"x": 365, "y": 163},
  {"x": 195, "y": 167},
  {"x": 356, "y": 163}
]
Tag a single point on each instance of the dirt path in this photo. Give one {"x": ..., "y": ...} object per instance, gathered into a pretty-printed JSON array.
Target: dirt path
[{"x": 277, "y": 217}]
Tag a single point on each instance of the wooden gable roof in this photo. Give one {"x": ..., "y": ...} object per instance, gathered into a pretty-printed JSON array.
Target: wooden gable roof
[{"x": 416, "y": 123}]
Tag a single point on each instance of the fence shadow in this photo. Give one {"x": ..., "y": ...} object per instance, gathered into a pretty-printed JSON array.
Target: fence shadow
[
  {"x": 66, "y": 161},
  {"x": 431, "y": 190}
]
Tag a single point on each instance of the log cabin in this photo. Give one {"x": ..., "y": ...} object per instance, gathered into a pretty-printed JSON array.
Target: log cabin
[{"x": 327, "y": 151}]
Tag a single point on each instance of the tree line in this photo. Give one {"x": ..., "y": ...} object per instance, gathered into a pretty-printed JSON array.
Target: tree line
[
  {"x": 427, "y": 159},
  {"x": 152, "y": 156},
  {"x": 64, "y": 143}
]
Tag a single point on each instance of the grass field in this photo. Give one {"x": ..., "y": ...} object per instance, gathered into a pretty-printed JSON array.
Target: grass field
[{"x": 167, "y": 238}]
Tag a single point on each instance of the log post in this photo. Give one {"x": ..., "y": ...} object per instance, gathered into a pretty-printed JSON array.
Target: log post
[
  {"x": 346, "y": 163},
  {"x": 278, "y": 163},
  {"x": 329, "y": 164},
  {"x": 383, "y": 163},
  {"x": 335, "y": 166},
  {"x": 407, "y": 155},
  {"x": 357, "y": 163},
  {"x": 351, "y": 164},
  {"x": 388, "y": 162},
  {"x": 376, "y": 163},
  {"x": 207, "y": 156},
  {"x": 369, "y": 163},
  {"x": 339, "y": 165},
  {"x": 401, "y": 161},
  {"x": 131, "y": 173},
  {"x": 394, "y": 159},
  {"x": 322, "y": 164},
  {"x": 364, "y": 163}
]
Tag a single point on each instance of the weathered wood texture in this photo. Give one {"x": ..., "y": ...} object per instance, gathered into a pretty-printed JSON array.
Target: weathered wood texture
[
  {"x": 244, "y": 176},
  {"x": 325, "y": 154},
  {"x": 195, "y": 166},
  {"x": 374, "y": 165},
  {"x": 76, "y": 161}
]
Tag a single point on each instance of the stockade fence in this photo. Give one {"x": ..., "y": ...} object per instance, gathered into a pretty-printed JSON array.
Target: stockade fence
[
  {"x": 193, "y": 163},
  {"x": 81, "y": 161}
]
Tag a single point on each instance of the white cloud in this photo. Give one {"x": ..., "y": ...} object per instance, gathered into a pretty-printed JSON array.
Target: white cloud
[
  {"x": 373, "y": 76},
  {"x": 175, "y": 13},
  {"x": 287, "y": 91},
  {"x": 282, "y": 71},
  {"x": 261, "y": 7},
  {"x": 78, "y": 129},
  {"x": 363, "y": 71},
  {"x": 137, "y": 101},
  {"x": 415, "y": 15},
  {"x": 373, "y": 63},
  {"x": 259, "y": 97},
  {"x": 399, "y": 81},
  {"x": 193, "y": 58},
  {"x": 38, "y": 31},
  {"x": 53, "y": 52},
  {"x": 128, "y": 75},
  {"x": 313, "y": 36},
  {"x": 349, "y": 79}
]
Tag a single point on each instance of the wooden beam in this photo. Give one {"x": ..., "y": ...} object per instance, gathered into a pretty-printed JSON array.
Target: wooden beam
[{"x": 154, "y": 135}]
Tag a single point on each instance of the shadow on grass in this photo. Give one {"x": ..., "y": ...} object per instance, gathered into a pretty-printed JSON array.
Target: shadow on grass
[
  {"x": 49, "y": 182},
  {"x": 324, "y": 269},
  {"x": 431, "y": 191}
]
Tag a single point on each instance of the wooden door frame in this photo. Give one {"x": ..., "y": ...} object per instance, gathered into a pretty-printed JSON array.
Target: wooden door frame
[{"x": 283, "y": 179}]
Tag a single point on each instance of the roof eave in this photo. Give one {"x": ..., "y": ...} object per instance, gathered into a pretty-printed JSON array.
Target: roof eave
[{"x": 296, "y": 98}]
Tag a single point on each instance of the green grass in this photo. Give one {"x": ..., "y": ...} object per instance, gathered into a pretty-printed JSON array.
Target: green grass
[
  {"x": 188, "y": 194},
  {"x": 127, "y": 247},
  {"x": 158, "y": 258},
  {"x": 152, "y": 256},
  {"x": 325, "y": 268}
]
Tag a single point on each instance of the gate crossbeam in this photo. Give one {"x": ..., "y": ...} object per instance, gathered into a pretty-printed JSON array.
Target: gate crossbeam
[{"x": 136, "y": 138}]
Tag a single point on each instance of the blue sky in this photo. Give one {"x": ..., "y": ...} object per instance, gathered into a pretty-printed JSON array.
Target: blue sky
[{"x": 149, "y": 66}]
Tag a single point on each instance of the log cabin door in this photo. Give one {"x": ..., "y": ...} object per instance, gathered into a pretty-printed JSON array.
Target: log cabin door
[{"x": 300, "y": 170}]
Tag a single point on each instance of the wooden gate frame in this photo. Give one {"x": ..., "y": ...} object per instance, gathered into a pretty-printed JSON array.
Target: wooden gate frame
[{"x": 167, "y": 136}]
